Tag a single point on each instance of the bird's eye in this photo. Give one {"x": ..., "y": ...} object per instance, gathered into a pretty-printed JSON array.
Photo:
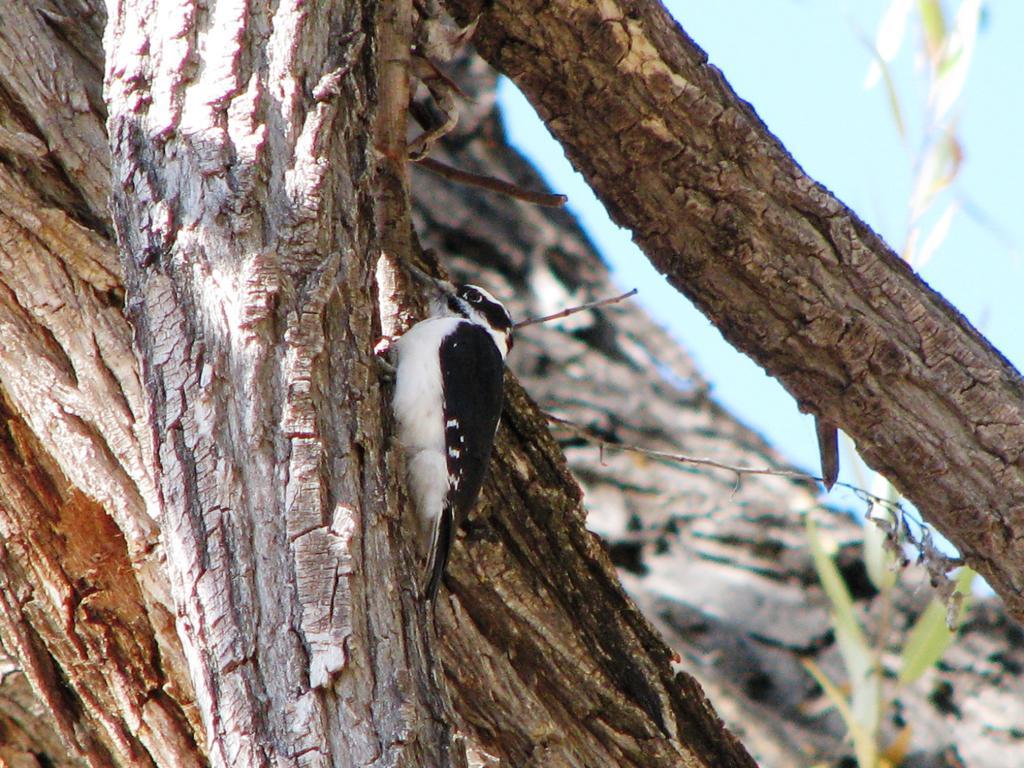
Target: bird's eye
[{"x": 473, "y": 296}]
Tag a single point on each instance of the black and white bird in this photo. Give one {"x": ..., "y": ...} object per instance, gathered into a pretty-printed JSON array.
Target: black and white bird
[{"x": 447, "y": 402}]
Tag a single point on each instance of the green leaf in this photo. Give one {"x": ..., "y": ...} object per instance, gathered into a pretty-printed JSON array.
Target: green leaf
[
  {"x": 834, "y": 586},
  {"x": 958, "y": 51},
  {"x": 933, "y": 21},
  {"x": 894, "y": 102},
  {"x": 878, "y": 560},
  {"x": 929, "y": 638},
  {"x": 864, "y": 745},
  {"x": 853, "y": 645}
]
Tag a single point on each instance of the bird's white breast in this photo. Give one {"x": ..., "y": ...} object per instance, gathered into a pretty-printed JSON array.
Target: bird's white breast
[
  {"x": 418, "y": 411},
  {"x": 418, "y": 390}
]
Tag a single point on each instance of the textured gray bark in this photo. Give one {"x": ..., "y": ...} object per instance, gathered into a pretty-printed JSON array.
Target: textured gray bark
[
  {"x": 243, "y": 199},
  {"x": 547, "y": 662},
  {"x": 787, "y": 273}
]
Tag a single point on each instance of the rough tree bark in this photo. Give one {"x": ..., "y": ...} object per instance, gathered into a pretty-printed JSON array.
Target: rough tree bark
[
  {"x": 244, "y": 176},
  {"x": 257, "y": 491},
  {"x": 81, "y": 563},
  {"x": 786, "y": 272},
  {"x": 106, "y": 542}
]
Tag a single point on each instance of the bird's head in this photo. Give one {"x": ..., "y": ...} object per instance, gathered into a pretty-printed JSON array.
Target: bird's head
[{"x": 480, "y": 307}]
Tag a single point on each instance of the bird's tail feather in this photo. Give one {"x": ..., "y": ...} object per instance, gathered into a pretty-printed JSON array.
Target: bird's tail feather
[{"x": 440, "y": 547}]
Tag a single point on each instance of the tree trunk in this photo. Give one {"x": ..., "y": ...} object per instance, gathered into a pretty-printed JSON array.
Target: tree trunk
[
  {"x": 787, "y": 273},
  {"x": 246, "y": 170}
]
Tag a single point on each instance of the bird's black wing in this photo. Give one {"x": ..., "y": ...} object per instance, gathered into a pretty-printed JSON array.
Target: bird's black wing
[{"x": 472, "y": 372}]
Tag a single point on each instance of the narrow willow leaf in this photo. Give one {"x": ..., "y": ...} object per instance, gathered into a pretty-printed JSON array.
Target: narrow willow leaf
[
  {"x": 937, "y": 235},
  {"x": 929, "y": 638},
  {"x": 878, "y": 560},
  {"x": 896, "y": 751},
  {"x": 933, "y": 21},
  {"x": 892, "y": 29},
  {"x": 939, "y": 168},
  {"x": 951, "y": 74},
  {"x": 864, "y": 745},
  {"x": 853, "y": 645},
  {"x": 888, "y": 39},
  {"x": 894, "y": 102}
]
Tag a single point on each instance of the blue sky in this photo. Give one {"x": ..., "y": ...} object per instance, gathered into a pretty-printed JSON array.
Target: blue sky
[{"x": 802, "y": 65}]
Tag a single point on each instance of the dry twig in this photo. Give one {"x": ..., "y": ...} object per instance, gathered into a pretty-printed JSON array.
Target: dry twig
[
  {"x": 491, "y": 184},
  {"x": 574, "y": 310}
]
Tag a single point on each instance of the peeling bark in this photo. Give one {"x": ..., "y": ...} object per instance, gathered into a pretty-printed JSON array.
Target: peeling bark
[
  {"x": 73, "y": 613},
  {"x": 787, "y": 273},
  {"x": 243, "y": 200},
  {"x": 81, "y": 563}
]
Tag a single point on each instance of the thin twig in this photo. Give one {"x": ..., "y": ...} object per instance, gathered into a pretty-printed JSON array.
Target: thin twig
[
  {"x": 490, "y": 183},
  {"x": 897, "y": 533},
  {"x": 574, "y": 310},
  {"x": 679, "y": 458},
  {"x": 739, "y": 471}
]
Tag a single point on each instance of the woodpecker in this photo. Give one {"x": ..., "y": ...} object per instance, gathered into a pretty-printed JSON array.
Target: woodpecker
[{"x": 447, "y": 402}]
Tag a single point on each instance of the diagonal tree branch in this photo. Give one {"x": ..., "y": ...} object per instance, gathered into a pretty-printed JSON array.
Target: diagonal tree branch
[{"x": 789, "y": 275}]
